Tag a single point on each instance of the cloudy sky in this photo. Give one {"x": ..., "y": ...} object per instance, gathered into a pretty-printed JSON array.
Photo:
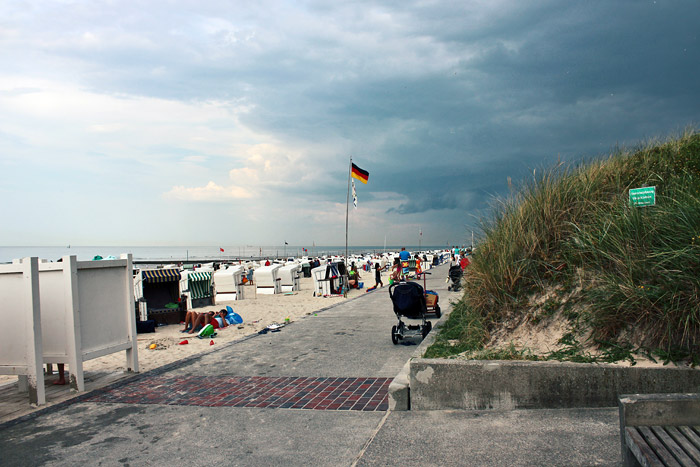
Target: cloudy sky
[{"x": 174, "y": 122}]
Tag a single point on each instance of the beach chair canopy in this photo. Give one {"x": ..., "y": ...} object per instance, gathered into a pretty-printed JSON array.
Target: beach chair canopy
[
  {"x": 199, "y": 284},
  {"x": 160, "y": 275}
]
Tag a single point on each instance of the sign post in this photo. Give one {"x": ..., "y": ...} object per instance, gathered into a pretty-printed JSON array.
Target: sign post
[{"x": 641, "y": 197}]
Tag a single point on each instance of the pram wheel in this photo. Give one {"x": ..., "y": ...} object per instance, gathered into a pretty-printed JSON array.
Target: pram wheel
[
  {"x": 395, "y": 335},
  {"x": 426, "y": 329},
  {"x": 438, "y": 313}
]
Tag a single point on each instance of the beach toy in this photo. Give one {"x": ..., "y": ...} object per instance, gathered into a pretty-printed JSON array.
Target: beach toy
[
  {"x": 206, "y": 331},
  {"x": 184, "y": 342},
  {"x": 152, "y": 346},
  {"x": 211, "y": 342},
  {"x": 232, "y": 317}
]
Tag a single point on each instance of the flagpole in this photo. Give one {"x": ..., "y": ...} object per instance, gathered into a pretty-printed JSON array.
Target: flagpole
[{"x": 347, "y": 211}]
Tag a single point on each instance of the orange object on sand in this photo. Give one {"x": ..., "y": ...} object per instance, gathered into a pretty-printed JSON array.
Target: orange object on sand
[{"x": 184, "y": 342}]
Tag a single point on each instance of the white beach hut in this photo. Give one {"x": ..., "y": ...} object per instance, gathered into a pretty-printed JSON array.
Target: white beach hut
[
  {"x": 289, "y": 277},
  {"x": 228, "y": 283},
  {"x": 267, "y": 279}
]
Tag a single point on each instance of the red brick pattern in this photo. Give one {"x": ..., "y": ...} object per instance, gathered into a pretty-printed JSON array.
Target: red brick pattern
[{"x": 366, "y": 394}]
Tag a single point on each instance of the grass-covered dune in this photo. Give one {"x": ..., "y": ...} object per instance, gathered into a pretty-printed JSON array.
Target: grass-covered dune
[{"x": 567, "y": 246}]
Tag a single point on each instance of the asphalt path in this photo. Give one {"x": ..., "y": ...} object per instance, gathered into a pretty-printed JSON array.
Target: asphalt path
[{"x": 347, "y": 344}]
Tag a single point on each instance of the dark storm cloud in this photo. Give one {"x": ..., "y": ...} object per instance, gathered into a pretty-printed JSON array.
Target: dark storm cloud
[{"x": 527, "y": 86}]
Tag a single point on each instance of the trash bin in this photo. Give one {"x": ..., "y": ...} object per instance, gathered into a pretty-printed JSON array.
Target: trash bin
[{"x": 306, "y": 269}]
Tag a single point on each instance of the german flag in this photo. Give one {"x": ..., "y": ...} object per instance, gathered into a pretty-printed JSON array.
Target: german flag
[{"x": 358, "y": 173}]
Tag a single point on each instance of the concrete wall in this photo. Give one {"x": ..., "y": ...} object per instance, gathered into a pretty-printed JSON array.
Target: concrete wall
[{"x": 437, "y": 384}]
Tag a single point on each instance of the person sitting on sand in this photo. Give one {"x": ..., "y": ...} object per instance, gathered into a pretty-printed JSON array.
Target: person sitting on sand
[
  {"x": 190, "y": 318},
  {"x": 354, "y": 276},
  {"x": 217, "y": 320},
  {"x": 198, "y": 320}
]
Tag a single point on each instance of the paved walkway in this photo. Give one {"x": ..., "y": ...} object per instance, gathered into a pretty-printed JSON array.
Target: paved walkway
[{"x": 314, "y": 393}]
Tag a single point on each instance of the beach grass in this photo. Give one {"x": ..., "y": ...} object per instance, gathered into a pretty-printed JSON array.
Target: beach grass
[{"x": 630, "y": 275}]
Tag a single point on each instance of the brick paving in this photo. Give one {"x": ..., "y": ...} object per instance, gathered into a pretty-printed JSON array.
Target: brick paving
[{"x": 321, "y": 393}]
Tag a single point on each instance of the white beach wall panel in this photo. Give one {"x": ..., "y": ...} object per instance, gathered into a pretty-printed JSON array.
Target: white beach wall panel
[
  {"x": 20, "y": 348},
  {"x": 88, "y": 312}
]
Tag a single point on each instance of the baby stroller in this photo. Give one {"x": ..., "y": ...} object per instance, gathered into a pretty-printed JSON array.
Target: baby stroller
[
  {"x": 409, "y": 302},
  {"x": 455, "y": 276}
]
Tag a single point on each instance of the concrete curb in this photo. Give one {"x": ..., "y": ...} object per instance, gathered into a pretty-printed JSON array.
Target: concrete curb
[
  {"x": 439, "y": 384},
  {"x": 399, "y": 388},
  {"x": 446, "y": 384}
]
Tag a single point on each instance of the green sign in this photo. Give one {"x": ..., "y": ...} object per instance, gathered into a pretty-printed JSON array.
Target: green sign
[{"x": 641, "y": 197}]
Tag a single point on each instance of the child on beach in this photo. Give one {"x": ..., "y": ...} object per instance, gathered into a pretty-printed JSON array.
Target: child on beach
[{"x": 378, "y": 276}]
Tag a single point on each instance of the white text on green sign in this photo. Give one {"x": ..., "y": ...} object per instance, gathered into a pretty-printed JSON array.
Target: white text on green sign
[{"x": 643, "y": 196}]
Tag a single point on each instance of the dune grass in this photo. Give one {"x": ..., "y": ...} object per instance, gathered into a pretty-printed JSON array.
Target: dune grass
[{"x": 633, "y": 272}]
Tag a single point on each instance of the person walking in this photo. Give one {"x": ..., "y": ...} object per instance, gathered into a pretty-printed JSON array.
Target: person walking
[
  {"x": 378, "y": 276},
  {"x": 404, "y": 256}
]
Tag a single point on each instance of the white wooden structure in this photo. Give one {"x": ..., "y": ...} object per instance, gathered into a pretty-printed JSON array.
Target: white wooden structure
[
  {"x": 21, "y": 346},
  {"x": 87, "y": 311},
  {"x": 266, "y": 279},
  {"x": 319, "y": 275},
  {"x": 197, "y": 287},
  {"x": 290, "y": 277},
  {"x": 228, "y": 283},
  {"x": 327, "y": 280},
  {"x": 154, "y": 288}
]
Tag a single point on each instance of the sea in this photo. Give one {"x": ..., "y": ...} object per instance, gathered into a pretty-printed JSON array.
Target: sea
[{"x": 199, "y": 254}]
